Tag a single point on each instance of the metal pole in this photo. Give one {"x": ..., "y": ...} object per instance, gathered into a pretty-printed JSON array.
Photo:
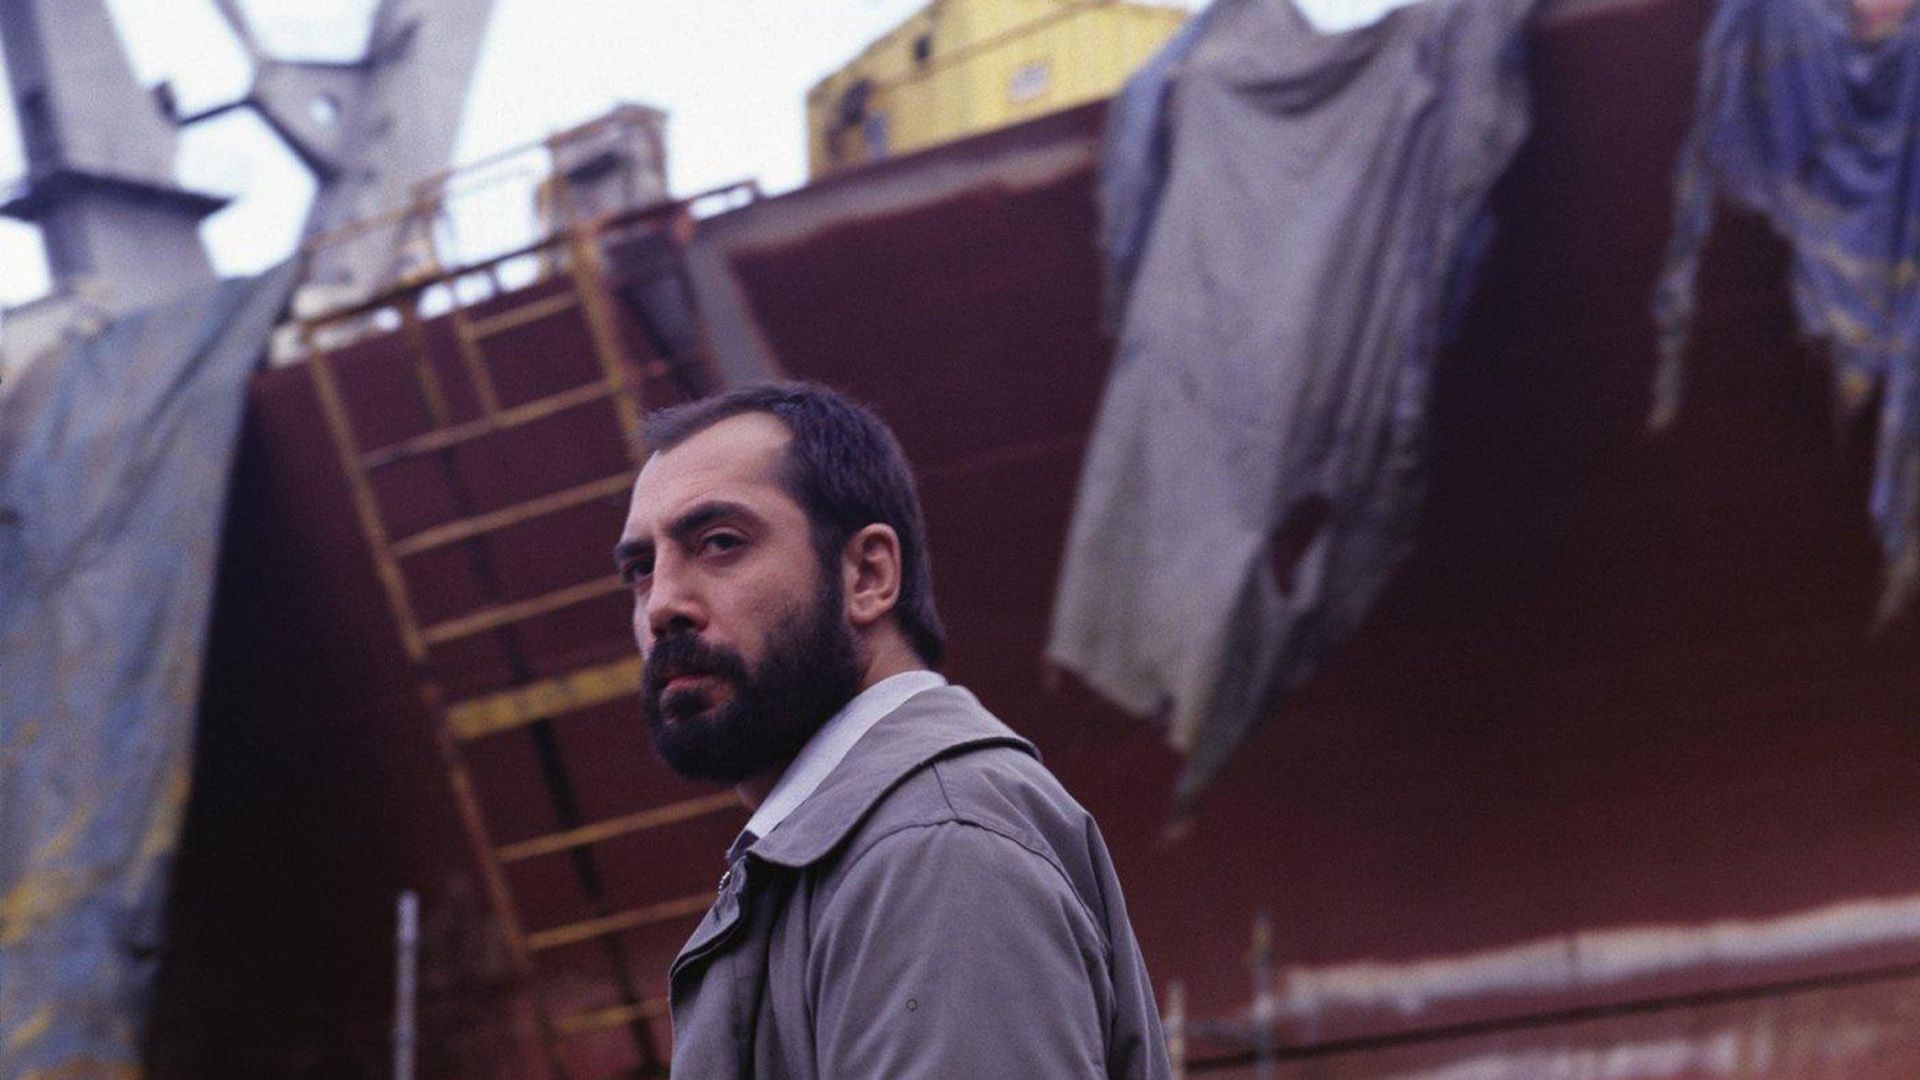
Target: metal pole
[
  {"x": 1266, "y": 1004},
  {"x": 406, "y": 962},
  {"x": 1176, "y": 1023}
]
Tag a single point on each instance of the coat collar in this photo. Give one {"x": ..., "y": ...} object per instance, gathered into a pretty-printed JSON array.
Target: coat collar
[{"x": 931, "y": 724}]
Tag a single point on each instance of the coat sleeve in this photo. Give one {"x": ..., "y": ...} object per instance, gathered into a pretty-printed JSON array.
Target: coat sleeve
[{"x": 950, "y": 950}]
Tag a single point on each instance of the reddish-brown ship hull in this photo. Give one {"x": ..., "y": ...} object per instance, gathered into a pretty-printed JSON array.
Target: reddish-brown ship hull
[{"x": 1615, "y": 783}]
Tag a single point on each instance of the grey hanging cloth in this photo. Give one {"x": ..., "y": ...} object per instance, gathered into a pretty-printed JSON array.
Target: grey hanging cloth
[
  {"x": 1807, "y": 113},
  {"x": 1269, "y": 390},
  {"x": 114, "y": 463},
  {"x": 1139, "y": 151}
]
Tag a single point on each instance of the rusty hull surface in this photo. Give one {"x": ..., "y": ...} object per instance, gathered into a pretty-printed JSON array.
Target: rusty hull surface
[{"x": 1616, "y": 783}]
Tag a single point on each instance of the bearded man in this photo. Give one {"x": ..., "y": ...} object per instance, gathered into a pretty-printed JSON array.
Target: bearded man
[{"x": 914, "y": 894}]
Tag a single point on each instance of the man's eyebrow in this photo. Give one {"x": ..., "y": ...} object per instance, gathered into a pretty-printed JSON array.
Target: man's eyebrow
[
  {"x": 628, "y": 550},
  {"x": 692, "y": 521}
]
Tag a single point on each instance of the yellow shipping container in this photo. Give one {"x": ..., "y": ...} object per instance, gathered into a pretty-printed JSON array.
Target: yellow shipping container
[{"x": 959, "y": 67}]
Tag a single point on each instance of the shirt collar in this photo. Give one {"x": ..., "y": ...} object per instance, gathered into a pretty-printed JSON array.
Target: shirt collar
[{"x": 830, "y": 744}]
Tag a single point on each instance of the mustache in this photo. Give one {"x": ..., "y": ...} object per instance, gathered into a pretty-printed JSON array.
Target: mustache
[{"x": 685, "y": 654}]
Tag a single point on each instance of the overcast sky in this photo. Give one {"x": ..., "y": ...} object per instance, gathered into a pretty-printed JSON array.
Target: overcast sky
[{"x": 732, "y": 74}]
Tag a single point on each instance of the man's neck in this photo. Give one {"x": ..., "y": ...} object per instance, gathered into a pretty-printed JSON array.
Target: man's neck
[{"x": 891, "y": 656}]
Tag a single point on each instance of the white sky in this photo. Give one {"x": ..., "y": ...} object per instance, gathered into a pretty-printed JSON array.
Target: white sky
[{"x": 732, "y": 74}]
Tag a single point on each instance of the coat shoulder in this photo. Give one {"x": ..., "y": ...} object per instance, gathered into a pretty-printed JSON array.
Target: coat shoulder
[{"x": 1002, "y": 790}]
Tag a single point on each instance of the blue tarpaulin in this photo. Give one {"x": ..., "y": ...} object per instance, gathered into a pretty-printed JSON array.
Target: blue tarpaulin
[
  {"x": 1807, "y": 114},
  {"x": 114, "y": 463}
]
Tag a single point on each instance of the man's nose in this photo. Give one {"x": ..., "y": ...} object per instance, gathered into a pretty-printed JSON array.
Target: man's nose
[{"x": 673, "y": 604}]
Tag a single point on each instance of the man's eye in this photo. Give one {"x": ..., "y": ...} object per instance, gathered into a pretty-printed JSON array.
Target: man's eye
[
  {"x": 720, "y": 543},
  {"x": 637, "y": 571}
]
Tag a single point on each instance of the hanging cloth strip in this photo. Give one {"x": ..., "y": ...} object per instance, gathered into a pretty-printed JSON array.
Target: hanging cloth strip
[
  {"x": 1139, "y": 154},
  {"x": 1304, "y": 199},
  {"x": 1807, "y": 114}
]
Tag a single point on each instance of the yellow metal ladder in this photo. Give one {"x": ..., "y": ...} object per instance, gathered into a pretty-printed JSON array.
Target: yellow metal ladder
[{"x": 533, "y": 702}]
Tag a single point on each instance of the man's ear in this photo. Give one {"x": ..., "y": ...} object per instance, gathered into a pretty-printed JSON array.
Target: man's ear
[{"x": 870, "y": 568}]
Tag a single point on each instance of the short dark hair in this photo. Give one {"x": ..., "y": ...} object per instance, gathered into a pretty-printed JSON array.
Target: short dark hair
[{"x": 845, "y": 469}]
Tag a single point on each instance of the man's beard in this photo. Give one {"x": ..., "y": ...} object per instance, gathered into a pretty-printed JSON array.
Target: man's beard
[{"x": 811, "y": 669}]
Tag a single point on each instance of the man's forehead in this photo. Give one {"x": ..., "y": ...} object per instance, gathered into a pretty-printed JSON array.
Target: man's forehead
[{"x": 741, "y": 451}]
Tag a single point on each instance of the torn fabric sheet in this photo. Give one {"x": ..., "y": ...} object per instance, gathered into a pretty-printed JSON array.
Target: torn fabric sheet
[
  {"x": 1269, "y": 391},
  {"x": 1139, "y": 149},
  {"x": 1807, "y": 114},
  {"x": 115, "y": 456}
]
